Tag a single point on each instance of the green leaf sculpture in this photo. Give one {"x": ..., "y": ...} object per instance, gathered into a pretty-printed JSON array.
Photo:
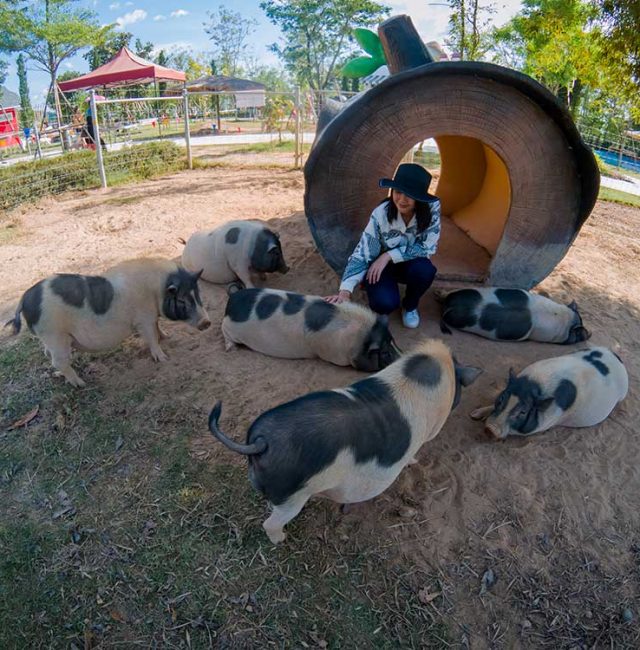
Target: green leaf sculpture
[{"x": 363, "y": 66}]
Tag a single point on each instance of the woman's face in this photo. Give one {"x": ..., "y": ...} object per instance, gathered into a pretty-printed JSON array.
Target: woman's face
[{"x": 405, "y": 204}]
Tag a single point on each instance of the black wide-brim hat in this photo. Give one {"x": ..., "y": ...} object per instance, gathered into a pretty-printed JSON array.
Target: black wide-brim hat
[{"x": 412, "y": 180}]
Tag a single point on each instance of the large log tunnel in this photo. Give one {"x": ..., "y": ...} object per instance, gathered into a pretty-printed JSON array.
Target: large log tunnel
[{"x": 516, "y": 181}]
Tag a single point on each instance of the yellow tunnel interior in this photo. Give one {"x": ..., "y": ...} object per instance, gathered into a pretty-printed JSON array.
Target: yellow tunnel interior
[{"x": 474, "y": 189}]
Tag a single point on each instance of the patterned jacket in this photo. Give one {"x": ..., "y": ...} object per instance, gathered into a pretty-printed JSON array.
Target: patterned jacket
[{"x": 402, "y": 242}]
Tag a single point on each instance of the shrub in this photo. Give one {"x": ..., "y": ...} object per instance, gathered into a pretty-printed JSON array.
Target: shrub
[{"x": 30, "y": 181}]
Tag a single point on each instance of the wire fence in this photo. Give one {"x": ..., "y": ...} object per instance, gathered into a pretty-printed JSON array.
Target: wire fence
[{"x": 279, "y": 126}]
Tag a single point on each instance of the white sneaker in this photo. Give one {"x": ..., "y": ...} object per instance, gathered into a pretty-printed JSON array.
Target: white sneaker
[{"x": 410, "y": 319}]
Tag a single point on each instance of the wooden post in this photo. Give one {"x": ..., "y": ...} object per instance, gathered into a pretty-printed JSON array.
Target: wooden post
[
  {"x": 187, "y": 135},
  {"x": 403, "y": 47},
  {"x": 96, "y": 138}
]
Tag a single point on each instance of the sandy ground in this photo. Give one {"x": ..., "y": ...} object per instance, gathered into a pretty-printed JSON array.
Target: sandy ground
[{"x": 577, "y": 489}]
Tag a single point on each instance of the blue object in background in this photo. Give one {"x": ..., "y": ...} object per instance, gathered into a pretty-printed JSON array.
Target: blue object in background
[{"x": 612, "y": 158}]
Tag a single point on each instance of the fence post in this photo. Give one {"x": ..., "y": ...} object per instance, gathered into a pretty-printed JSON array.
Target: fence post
[
  {"x": 298, "y": 154},
  {"x": 187, "y": 135},
  {"x": 35, "y": 130},
  {"x": 96, "y": 137}
]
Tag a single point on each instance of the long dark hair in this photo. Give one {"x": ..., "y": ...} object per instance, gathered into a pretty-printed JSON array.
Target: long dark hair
[{"x": 423, "y": 212}]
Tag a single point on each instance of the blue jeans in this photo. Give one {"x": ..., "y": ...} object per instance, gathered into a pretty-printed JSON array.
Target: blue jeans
[{"x": 384, "y": 295}]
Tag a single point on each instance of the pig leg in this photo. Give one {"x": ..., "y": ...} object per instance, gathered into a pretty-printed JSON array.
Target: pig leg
[
  {"x": 282, "y": 515},
  {"x": 149, "y": 332},
  {"x": 162, "y": 335},
  {"x": 481, "y": 413},
  {"x": 59, "y": 348},
  {"x": 244, "y": 275}
]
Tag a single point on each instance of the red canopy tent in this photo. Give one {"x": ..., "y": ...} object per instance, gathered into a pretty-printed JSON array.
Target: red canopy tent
[{"x": 125, "y": 68}]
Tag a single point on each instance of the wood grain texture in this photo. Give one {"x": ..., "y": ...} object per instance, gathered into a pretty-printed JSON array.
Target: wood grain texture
[{"x": 553, "y": 175}]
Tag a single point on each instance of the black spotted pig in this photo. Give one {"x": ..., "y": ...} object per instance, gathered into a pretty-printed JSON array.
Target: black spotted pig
[
  {"x": 235, "y": 251},
  {"x": 575, "y": 390},
  {"x": 94, "y": 313},
  {"x": 511, "y": 315},
  {"x": 294, "y": 326},
  {"x": 349, "y": 444}
]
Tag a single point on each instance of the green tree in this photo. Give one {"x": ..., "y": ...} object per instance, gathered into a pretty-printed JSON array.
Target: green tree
[
  {"x": 276, "y": 113},
  {"x": 273, "y": 77},
  {"x": 26, "y": 112},
  {"x": 3, "y": 71},
  {"x": 49, "y": 32},
  {"x": 229, "y": 33},
  {"x": 104, "y": 52},
  {"x": 470, "y": 28},
  {"x": 142, "y": 49},
  {"x": 620, "y": 21},
  {"x": 553, "y": 41},
  {"x": 316, "y": 34}
]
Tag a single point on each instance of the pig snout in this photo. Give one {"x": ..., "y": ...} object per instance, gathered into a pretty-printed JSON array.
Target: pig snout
[{"x": 204, "y": 324}]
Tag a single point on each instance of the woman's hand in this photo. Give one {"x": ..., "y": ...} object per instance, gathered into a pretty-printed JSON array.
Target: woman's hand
[
  {"x": 341, "y": 296},
  {"x": 376, "y": 269}
]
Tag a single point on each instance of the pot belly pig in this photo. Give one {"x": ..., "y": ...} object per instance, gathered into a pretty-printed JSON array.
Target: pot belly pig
[
  {"x": 349, "y": 444},
  {"x": 575, "y": 390},
  {"x": 511, "y": 315},
  {"x": 294, "y": 326},
  {"x": 234, "y": 251},
  {"x": 96, "y": 313}
]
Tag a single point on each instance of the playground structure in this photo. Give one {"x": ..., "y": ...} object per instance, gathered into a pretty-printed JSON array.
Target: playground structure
[{"x": 516, "y": 180}]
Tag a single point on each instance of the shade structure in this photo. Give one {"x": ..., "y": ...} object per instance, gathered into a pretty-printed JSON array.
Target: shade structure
[
  {"x": 124, "y": 69},
  {"x": 248, "y": 94}
]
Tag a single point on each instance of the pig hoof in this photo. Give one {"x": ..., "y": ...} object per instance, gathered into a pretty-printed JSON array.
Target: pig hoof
[
  {"x": 346, "y": 508},
  {"x": 162, "y": 335},
  {"x": 276, "y": 536},
  {"x": 159, "y": 355}
]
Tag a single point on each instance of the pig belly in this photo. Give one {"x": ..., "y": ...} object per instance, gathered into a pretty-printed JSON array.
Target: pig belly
[
  {"x": 98, "y": 334},
  {"x": 274, "y": 344},
  {"x": 590, "y": 413},
  {"x": 203, "y": 252},
  {"x": 361, "y": 482}
]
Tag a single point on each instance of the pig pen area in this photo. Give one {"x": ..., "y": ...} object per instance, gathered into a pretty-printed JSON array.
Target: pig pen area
[{"x": 523, "y": 543}]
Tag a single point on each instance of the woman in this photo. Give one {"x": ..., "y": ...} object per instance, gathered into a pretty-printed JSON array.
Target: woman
[{"x": 401, "y": 236}]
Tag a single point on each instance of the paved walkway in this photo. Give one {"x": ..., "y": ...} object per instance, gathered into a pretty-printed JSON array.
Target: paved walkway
[{"x": 631, "y": 186}]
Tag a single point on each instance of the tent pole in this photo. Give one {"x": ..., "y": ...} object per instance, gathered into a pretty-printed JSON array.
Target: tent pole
[{"x": 155, "y": 84}]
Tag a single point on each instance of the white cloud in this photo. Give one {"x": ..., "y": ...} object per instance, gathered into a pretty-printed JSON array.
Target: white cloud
[
  {"x": 178, "y": 13},
  {"x": 134, "y": 16},
  {"x": 68, "y": 65},
  {"x": 175, "y": 46},
  {"x": 114, "y": 6},
  {"x": 159, "y": 17},
  {"x": 128, "y": 4},
  {"x": 432, "y": 20}
]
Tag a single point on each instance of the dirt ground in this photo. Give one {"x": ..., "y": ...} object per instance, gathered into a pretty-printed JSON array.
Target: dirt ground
[{"x": 536, "y": 541}]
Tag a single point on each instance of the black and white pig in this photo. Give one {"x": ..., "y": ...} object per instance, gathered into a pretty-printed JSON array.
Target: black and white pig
[
  {"x": 349, "y": 444},
  {"x": 238, "y": 250},
  {"x": 94, "y": 313},
  {"x": 294, "y": 326},
  {"x": 511, "y": 315},
  {"x": 575, "y": 390}
]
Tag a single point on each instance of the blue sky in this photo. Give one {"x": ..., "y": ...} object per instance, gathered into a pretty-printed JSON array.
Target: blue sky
[{"x": 178, "y": 24}]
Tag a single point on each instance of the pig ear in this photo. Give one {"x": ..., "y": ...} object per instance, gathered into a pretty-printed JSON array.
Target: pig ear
[
  {"x": 197, "y": 275},
  {"x": 512, "y": 374},
  {"x": 468, "y": 374},
  {"x": 573, "y": 306}
]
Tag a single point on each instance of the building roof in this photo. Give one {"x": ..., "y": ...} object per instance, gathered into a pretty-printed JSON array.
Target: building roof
[{"x": 222, "y": 83}]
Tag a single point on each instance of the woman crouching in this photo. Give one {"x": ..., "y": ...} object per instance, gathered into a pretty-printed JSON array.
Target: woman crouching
[{"x": 396, "y": 247}]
